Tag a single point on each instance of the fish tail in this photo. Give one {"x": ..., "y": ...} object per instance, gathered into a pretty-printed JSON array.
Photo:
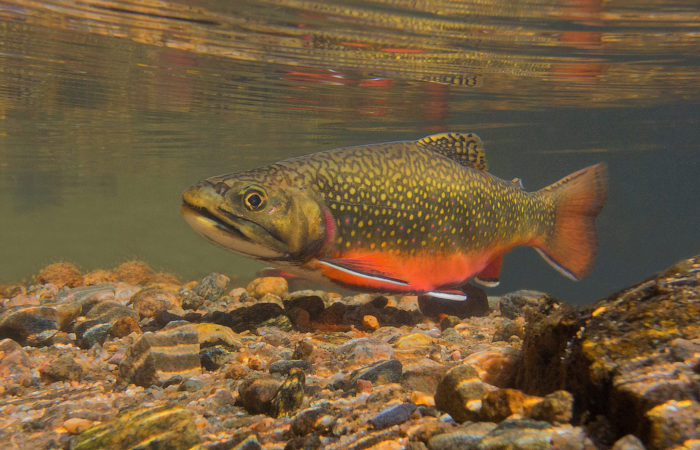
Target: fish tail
[{"x": 572, "y": 244}]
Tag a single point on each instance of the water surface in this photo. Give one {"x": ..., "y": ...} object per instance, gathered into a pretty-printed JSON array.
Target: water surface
[{"x": 109, "y": 110}]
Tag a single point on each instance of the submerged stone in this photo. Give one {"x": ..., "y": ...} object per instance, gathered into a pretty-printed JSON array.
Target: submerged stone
[
  {"x": 158, "y": 357},
  {"x": 160, "y": 427}
]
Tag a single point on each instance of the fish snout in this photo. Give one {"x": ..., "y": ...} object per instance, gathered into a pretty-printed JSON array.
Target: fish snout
[{"x": 203, "y": 194}]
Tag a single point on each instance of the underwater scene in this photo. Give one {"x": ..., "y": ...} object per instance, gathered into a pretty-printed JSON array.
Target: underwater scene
[{"x": 349, "y": 224}]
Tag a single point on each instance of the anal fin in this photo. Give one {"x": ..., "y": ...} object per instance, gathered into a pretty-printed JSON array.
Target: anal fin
[{"x": 490, "y": 275}]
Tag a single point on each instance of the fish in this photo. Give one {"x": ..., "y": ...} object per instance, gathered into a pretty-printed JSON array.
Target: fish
[{"x": 422, "y": 217}]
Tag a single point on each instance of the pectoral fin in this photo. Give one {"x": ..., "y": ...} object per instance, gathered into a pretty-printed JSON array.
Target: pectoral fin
[
  {"x": 489, "y": 276},
  {"x": 362, "y": 272}
]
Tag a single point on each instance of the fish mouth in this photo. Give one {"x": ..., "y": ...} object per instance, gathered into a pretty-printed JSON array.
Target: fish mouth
[{"x": 233, "y": 234}]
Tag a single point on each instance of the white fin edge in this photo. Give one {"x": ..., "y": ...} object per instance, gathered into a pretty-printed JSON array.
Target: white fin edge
[
  {"x": 486, "y": 283},
  {"x": 364, "y": 275},
  {"x": 556, "y": 266},
  {"x": 447, "y": 296}
]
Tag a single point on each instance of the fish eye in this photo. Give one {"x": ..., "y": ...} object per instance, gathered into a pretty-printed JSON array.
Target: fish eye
[{"x": 254, "y": 200}]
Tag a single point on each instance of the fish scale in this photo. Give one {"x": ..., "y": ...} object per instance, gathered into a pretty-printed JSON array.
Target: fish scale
[{"x": 412, "y": 216}]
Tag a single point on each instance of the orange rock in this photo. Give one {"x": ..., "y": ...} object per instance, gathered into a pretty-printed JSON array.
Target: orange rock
[
  {"x": 370, "y": 322},
  {"x": 99, "y": 276},
  {"x": 363, "y": 386},
  {"x": 60, "y": 275},
  {"x": 124, "y": 326},
  {"x": 495, "y": 366},
  {"x": 76, "y": 425},
  {"x": 421, "y": 398},
  {"x": 496, "y": 406},
  {"x": 134, "y": 272},
  {"x": 268, "y": 285}
]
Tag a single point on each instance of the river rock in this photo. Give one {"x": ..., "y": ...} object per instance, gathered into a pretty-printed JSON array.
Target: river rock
[
  {"x": 464, "y": 437},
  {"x": 312, "y": 304},
  {"x": 531, "y": 434},
  {"x": 210, "y": 334},
  {"x": 392, "y": 416},
  {"x": 256, "y": 394},
  {"x": 15, "y": 367},
  {"x": 212, "y": 286},
  {"x": 673, "y": 424},
  {"x": 158, "y": 357},
  {"x": 317, "y": 420},
  {"x": 21, "y": 322},
  {"x": 259, "y": 287},
  {"x": 617, "y": 356},
  {"x": 497, "y": 405},
  {"x": 290, "y": 394},
  {"x": 363, "y": 349},
  {"x": 63, "y": 368},
  {"x": 150, "y": 301},
  {"x": 422, "y": 374},
  {"x": 99, "y": 321},
  {"x": 459, "y": 393},
  {"x": 496, "y": 365},
  {"x": 382, "y": 372},
  {"x": 134, "y": 272},
  {"x": 556, "y": 407},
  {"x": 160, "y": 427},
  {"x": 254, "y": 316},
  {"x": 212, "y": 358},
  {"x": 514, "y": 304},
  {"x": 284, "y": 366},
  {"x": 60, "y": 274}
]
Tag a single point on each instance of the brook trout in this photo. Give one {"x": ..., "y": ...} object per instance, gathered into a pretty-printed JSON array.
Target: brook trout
[{"x": 419, "y": 216}]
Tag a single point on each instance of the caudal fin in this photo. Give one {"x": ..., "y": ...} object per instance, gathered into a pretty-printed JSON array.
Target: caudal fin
[{"x": 578, "y": 198}]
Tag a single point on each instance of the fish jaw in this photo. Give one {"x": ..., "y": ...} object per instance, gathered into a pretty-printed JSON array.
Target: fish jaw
[{"x": 202, "y": 210}]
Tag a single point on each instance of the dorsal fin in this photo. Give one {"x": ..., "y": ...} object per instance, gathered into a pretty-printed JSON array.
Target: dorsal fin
[{"x": 466, "y": 149}]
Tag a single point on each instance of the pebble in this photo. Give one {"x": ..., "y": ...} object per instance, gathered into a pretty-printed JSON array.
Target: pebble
[
  {"x": 497, "y": 405},
  {"x": 412, "y": 341},
  {"x": 318, "y": 420},
  {"x": 674, "y": 422},
  {"x": 370, "y": 322},
  {"x": 393, "y": 416},
  {"x": 364, "y": 350},
  {"x": 76, "y": 425},
  {"x": 211, "y": 287},
  {"x": 259, "y": 287},
  {"x": 557, "y": 407},
  {"x": 382, "y": 372},
  {"x": 212, "y": 358},
  {"x": 628, "y": 442},
  {"x": 256, "y": 394},
  {"x": 284, "y": 366},
  {"x": 312, "y": 304},
  {"x": 63, "y": 368}
]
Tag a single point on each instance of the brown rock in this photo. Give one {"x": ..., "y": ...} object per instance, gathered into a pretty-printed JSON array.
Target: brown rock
[
  {"x": 256, "y": 394},
  {"x": 157, "y": 357},
  {"x": 300, "y": 319},
  {"x": 22, "y": 322},
  {"x": 99, "y": 276},
  {"x": 134, "y": 272},
  {"x": 211, "y": 334},
  {"x": 459, "y": 393},
  {"x": 673, "y": 423},
  {"x": 15, "y": 365},
  {"x": 60, "y": 274},
  {"x": 150, "y": 301},
  {"x": 124, "y": 326},
  {"x": 497, "y": 405},
  {"x": 76, "y": 425},
  {"x": 496, "y": 366},
  {"x": 63, "y": 368},
  {"x": 557, "y": 407},
  {"x": 268, "y": 285}
]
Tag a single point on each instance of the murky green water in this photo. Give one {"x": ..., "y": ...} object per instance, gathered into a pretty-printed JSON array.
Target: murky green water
[{"x": 109, "y": 110}]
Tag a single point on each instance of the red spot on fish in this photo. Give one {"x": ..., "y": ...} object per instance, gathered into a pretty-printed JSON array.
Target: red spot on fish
[{"x": 347, "y": 220}]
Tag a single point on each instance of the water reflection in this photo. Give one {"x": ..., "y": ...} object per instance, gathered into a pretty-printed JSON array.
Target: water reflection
[{"x": 109, "y": 109}]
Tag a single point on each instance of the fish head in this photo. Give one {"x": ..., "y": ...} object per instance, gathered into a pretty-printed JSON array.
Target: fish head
[{"x": 267, "y": 221}]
